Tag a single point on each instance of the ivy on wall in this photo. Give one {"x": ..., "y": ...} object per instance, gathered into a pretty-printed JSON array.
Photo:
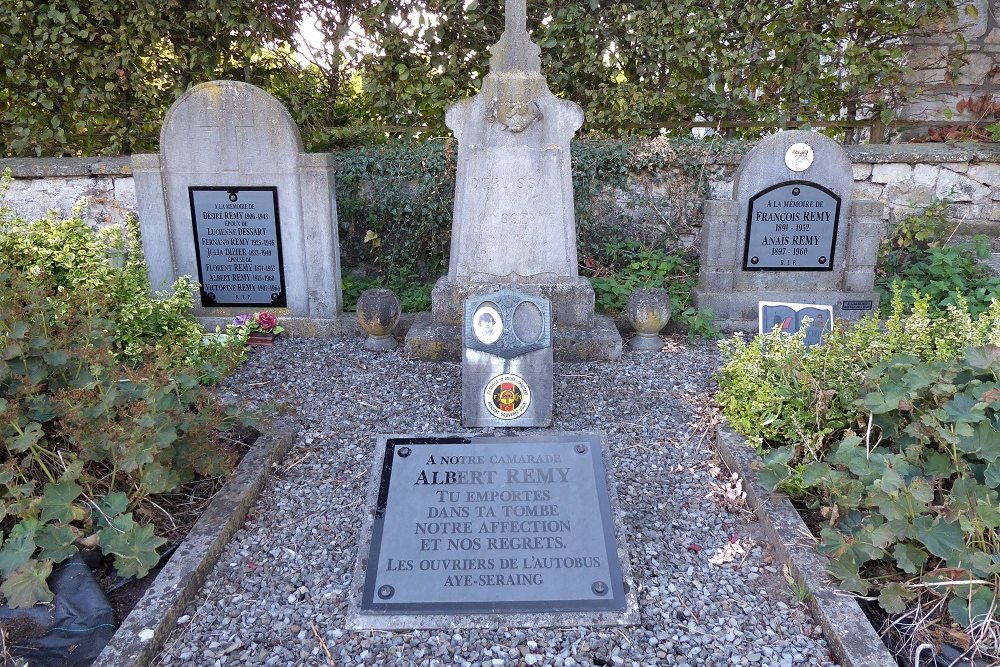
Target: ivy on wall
[{"x": 395, "y": 201}]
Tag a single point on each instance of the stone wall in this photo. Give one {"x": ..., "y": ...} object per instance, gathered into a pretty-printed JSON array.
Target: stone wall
[
  {"x": 43, "y": 184},
  {"x": 943, "y": 72},
  {"x": 901, "y": 176}
]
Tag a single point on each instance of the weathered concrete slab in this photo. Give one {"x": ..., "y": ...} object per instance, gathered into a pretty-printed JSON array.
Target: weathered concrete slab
[{"x": 142, "y": 633}]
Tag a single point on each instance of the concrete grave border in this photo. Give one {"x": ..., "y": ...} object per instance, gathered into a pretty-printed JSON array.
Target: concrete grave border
[
  {"x": 142, "y": 634},
  {"x": 852, "y": 639}
]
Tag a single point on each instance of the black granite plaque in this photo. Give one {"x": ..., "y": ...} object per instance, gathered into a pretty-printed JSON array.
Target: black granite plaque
[
  {"x": 792, "y": 226},
  {"x": 486, "y": 525},
  {"x": 237, "y": 237},
  {"x": 866, "y": 304}
]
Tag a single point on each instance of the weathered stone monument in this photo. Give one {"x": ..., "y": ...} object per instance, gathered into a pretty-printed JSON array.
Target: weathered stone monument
[
  {"x": 232, "y": 200},
  {"x": 507, "y": 361},
  {"x": 514, "y": 222},
  {"x": 792, "y": 233}
]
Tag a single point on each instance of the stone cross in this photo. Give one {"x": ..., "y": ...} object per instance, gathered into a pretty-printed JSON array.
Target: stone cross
[
  {"x": 224, "y": 120},
  {"x": 515, "y": 52},
  {"x": 516, "y": 17}
]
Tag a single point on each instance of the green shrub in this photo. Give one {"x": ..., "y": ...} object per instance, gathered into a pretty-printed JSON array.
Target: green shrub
[
  {"x": 619, "y": 268},
  {"x": 86, "y": 438},
  {"x": 778, "y": 393},
  {"x": 914, "y": 492},
  {"x": 67, "y": 254},
  {"x": 414, "y": 296},
  {"x": 917, "y": 257},
  {"x": 101, "y": 403}
]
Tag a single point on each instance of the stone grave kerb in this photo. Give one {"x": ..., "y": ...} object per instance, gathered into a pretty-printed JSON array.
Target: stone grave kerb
[
  {"x": 230, "y": 134},
  {"x": 514, "y": 220},
  {"x": 732, "y": 291}
]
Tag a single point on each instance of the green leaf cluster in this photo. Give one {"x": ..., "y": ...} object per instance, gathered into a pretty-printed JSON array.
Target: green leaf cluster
[
  {"x": 632, "y": 63},
  {"x": 84, "y": 77},
  {"x": 918, "y": 257},
  {"x": 778, "y": 393},
  {"x": 636, "y": 201},
  {"x": 918, "y": 492},
  {"x": 101, "y": 405},
  {"x": 96, "y": 77},
  {"x": 625, "y": 266}
]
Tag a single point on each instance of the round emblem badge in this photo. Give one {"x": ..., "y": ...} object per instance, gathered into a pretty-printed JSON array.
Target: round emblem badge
[
  {"x": 799, "y": 157},
  {"x": 507, "y": 396}
]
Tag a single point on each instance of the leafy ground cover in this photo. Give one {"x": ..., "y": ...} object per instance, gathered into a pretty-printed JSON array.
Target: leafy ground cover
[
  {"x": 616, "y": 269},
  {"x": 890, "y": 434},
  {"x": 104, "y": 409}
]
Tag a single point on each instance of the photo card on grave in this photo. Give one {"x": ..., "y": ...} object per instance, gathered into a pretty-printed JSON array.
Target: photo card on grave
[{"x": 790, "y": 317}]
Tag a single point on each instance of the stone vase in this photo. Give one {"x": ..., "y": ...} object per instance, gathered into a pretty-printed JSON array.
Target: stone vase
[
  {"x": 378, "y": 315},
  {"x": 648, "y": 310}
]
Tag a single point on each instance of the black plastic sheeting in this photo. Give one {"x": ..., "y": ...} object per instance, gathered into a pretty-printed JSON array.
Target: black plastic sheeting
[{"x": 74, "y": 628}]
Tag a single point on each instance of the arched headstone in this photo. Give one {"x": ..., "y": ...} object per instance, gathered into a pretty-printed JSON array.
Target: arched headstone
[
  {"x": 792, "y": 233},
  {"x": 233, "y": 201}
]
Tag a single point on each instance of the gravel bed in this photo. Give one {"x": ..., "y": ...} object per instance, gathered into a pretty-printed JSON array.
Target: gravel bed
[{"x": 278, "y": 593}]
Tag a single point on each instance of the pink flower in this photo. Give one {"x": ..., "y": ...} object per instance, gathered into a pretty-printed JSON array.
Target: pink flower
[{"x": 266, "y": 320}]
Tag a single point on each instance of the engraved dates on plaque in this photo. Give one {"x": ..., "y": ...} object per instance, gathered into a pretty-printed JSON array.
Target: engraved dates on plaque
[{"x": 237, "y": 238}]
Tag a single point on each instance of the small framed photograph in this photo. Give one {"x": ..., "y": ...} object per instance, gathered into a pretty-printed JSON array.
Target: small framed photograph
[{"x": 486, "y": 324}]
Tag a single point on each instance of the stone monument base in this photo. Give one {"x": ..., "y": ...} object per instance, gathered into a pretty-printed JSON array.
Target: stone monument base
[
  {"x": 578, "y": 334},
  {"x": 305, "y": 327},
  {"x": 737, "y": 311}
]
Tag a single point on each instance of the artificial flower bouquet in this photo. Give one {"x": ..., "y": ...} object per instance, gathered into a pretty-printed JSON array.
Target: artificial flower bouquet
[{"x": 262, "y": 322}]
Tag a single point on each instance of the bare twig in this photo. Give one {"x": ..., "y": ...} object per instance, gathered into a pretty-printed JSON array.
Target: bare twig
[{"x": 322, "y": 643}]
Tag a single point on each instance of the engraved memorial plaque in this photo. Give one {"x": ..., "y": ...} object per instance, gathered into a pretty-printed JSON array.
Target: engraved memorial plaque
[
  {"x": 238, "y": 245},
  {"x": 792, "y": 226},
  {"x": 488, "y": 525}
]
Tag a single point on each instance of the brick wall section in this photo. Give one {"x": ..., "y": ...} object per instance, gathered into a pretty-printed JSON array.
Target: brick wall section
[
  {"x": 935, "y": 85},
  {"x": 903, "y": 177}
]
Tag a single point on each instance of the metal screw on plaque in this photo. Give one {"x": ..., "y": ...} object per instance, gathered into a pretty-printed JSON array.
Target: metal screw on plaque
[
  {"x": 581, "y": 449},
  {"x": 822, "y": 260},
  {"x": 404, "y": 452},
  {"x": 386, "y": 592},
  {"x": 599, "y": 588},
  {"x": 754, "y": 260}
]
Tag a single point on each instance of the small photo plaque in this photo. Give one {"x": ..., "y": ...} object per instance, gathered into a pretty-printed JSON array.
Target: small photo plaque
[
  {"x": 790, "y": 317},
  {"x": 492, "y": 525},
  {"x": 487, "y": 325},
  {"x": 237, "y": 237},
  {"x": 792, "y": 226}
]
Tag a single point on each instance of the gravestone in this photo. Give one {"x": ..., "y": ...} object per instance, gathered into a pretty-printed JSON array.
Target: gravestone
[
  {"x": 507, "y": 361},
  {"x": 793, "y": 232},
  {"x": 513, "y": 222},
  {"x": 478, "y": 531},
  {"x": 233, "y": 201}
]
